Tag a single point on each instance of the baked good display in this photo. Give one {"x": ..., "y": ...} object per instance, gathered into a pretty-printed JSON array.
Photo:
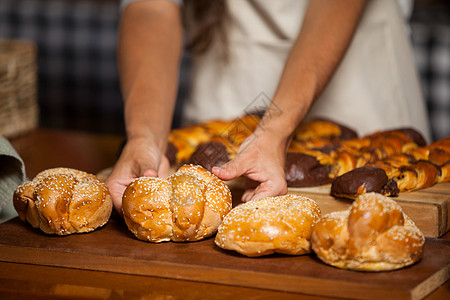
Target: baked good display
[
  {"x": 374, "y": 234},
  {"x": 216, "y": 142},
  {"x": 322, "y": 150},
  {"x": 189, "y": 205},
  {"x": 196, "y": 141},
  {"x": 307, "y": 166},
  {"x": 414, "y": 169},
  {"x": 63, "y": 201},
  {"x": 280, "y": 224}
]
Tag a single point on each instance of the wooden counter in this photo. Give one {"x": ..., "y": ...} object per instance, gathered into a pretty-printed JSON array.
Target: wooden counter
[{"x": 111, "y": 264}]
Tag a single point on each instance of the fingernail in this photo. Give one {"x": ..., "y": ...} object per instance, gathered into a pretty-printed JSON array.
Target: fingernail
[{"x": 218, "y": 169}]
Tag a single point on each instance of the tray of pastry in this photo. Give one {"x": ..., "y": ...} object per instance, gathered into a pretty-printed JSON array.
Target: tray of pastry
[{"x": 332, "y": 164}]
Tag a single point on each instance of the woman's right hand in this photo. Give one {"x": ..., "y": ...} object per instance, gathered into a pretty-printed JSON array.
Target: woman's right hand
[{"x": 140, "y": 157}]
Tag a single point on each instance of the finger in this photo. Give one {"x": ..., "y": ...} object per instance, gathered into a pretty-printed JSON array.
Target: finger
[
  {"x": 116, "y": 185},
  {"x": 116, "y": 191},
  {"x": 268, "y": 189},
  {"x": 164, "y": 168},
  {"x": 228, "y": 171},
  {"x": 247, "y": 195},
  {"x": 150, "y": 173}
]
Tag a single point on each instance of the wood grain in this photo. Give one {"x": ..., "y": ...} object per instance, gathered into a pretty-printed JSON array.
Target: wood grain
[
  {"x": 428, "y": 208},
  {"x": 114, "y": 249}
]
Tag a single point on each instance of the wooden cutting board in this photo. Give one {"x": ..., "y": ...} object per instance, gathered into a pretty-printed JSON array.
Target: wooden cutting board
[
  {"x": 428, "y": 208},
  {"x": 113, "y": 248}
]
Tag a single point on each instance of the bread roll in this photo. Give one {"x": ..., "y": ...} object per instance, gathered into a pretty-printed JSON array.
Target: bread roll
[
  {"x": 280, "y": 224},
  {"x": 187, "y": 206},
  {"x": 372, "y": 235},
  {"x": 63, "y": 201}
]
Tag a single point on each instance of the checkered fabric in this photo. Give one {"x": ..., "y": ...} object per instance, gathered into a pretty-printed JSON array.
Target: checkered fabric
[
  {"x": 77, "y": 69},
  {"x": 78, "y": 84},
  {"x": 431, "y": 42}
]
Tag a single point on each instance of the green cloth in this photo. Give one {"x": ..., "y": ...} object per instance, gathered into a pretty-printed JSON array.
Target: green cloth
[{"x": 12, "y": 174}]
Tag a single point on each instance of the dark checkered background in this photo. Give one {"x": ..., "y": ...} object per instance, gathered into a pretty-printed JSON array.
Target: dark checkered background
[{"x": 78, "y": 86}]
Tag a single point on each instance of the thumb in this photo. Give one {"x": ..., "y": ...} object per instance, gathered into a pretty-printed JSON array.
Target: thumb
[
  {"x": 150, "y": 173},
  {"x": 228, "y": 171}
]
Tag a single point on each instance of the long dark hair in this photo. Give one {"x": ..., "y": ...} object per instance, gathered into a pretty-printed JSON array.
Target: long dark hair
[{"x": 205, "y": 21}]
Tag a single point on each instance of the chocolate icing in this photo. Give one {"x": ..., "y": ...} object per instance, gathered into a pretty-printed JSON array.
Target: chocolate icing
[
  {"x": 210, "y": 154},
  {"x": 374, "y": 179},
  {"x": 390, "y": 188},
  {"x": 328, "y": 149},
  {"x": 347, "y": 133},
  {"x": 411, "y": 133},
  {"x": 171, "y": 153},
  {"x": 305, "y": 170},
  {"x": 415, "y": 136}
]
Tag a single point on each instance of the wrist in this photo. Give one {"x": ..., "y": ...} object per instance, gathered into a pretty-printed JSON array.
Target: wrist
[
  {"x": 279, "y": 122},
  {"x": 272, "y": 135},
  {"x": 148, "y": 138}
]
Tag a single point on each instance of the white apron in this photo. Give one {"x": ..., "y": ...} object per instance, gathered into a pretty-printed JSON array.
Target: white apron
[{"x": 375, "y": 87}]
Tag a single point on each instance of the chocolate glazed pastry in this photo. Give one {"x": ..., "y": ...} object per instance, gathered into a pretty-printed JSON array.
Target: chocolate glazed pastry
[
  {"x": 363, "y": 180},
  {"x": 171, "y": 153},
  {"x": 209, "y": 155},
  {"x": 417, "y": 169},
  {"x": 305, "y": 170}
]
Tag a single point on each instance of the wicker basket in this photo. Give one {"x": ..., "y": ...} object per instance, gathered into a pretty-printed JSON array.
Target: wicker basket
[{"x": 18, "y": 96}]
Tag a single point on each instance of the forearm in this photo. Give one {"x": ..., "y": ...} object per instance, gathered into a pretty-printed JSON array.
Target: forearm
[
  {"x": 326, "y": 32},
  {"x": 150, "y": 45}
]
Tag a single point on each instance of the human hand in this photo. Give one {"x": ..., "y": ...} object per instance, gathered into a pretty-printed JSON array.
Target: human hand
[
  {"x": 262, "y": 162},
  {"x": 140, "y": 157}
]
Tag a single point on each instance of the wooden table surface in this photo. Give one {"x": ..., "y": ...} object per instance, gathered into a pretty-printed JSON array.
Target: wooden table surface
[{"x": 43, "y": 149}]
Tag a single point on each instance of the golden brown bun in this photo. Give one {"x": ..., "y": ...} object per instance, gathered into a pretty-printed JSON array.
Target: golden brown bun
[
  {"x": 280, "y": 224},
  {"x": 187, "y": 206},
  {"x": 63, "y": 201},
  {"x": 372, "y": 235}
]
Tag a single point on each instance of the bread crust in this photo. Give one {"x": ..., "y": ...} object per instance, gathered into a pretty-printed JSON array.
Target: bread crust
[
  {"x": 187, "y": 206},
  {"x": 63, "y": 201},
  {"x": 374, "y": 234},
  {"x": 280, "y": 224}
]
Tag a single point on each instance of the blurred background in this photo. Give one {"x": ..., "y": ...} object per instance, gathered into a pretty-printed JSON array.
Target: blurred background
[{"x": 77, "y": 76}]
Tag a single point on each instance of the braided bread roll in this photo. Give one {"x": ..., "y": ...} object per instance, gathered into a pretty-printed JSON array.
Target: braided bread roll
[
  {"x": 323, "y": 129},
  {"x": 372, "y": 235},
  {"x": 437, "y": 153},
  {"x": 185, "y": 141},
  {"x": 187, "y": 206},
  {"x": 63, "y": 201},
  {"x": 216, "y": 152},
  {"x": 416, "y": 169},
  {"x": 280, "y": 224}
]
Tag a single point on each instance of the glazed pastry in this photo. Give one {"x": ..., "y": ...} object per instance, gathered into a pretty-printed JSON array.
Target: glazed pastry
[
  {"x": 63, "y": 201},
  {"x": 374, "y": 234},
  {"x": 340, "y": 157},
  {"x": 416, "y": 169},
  {"x": 187, "y": 206},
  {"x": 280, "y": 224}
]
